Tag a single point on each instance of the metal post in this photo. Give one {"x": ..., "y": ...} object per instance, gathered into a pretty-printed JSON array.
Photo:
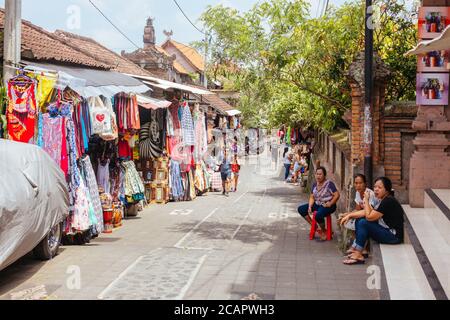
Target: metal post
[
  {"x": 205, "y": 78},
  {"x": 368, "y": 123},
  {"x": 12, "y": 37}
]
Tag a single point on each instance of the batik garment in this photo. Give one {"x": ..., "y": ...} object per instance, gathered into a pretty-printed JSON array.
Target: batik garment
[
  {"x": 176, "y": 183},
  {"x": 92, "y": 186},
  {"x": 103, "y": 177},
  {"x": 52, "y": 136},
  {"x": 187, "y": 126},
  {"x": 21, "y": 111},
  {"x": 152, "y": 138},
  {"x": 201, "y": 143},
  {"x": 134, "y": 187}
]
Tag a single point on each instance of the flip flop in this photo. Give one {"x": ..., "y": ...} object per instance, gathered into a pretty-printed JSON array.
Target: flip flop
[
  {"x": 350, "y": 262},
  {"x": 365, "y": 255}
]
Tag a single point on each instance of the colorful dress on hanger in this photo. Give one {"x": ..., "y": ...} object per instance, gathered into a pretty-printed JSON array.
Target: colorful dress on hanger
[
  {"x": 21, "y": 111},
  {"x": 92, "y": 186},
  {"x": 187, "y": 126},
  {"x": 52, "y": 136}
]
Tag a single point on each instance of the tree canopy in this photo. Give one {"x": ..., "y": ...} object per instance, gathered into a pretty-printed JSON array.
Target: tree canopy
[{"x": 292, "y": 69}]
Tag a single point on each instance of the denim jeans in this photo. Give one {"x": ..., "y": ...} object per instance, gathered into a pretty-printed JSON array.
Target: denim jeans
[
  {"x": 287, "y": 167},
  {"x": 366, "y": 229},
  {"x": 322, "y": 212}
]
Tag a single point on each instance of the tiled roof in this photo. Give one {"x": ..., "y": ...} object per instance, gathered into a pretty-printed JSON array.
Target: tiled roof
[
  {"x": 97, "y": 51},
  {"x": 189, "y": 53},
  {"x": 178, "y": 67},
  {"x": 42, "y": 45},
  {"x": 215, "y": 101}
]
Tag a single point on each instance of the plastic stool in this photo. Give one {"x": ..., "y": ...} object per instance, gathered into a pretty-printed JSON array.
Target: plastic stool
[{"x": 314, "y": 227}]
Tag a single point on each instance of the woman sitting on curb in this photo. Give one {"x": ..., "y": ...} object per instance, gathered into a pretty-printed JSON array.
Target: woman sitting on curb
[
  {"x": 349, "y": 219},
  {"x": 384, "y": 225},
  {"x": 323, "y": 199}
]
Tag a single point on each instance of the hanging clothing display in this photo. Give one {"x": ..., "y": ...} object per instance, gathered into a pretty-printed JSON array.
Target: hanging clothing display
[
  {"x": 103, "y": 176},
  {"x": 187, "y": 126},
  {"x": 201, "y": 136},
  {"x": 175, "y": 181},
  {"x": 21, "y": 111},
  {"x": 134, "y": 187},
  {"x": 91, "y": 184},
  {"x": 152, "y": 137},
  {"x": 52, "y": 136}
]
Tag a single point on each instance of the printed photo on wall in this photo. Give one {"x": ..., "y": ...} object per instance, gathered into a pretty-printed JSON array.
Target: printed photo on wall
[
  {"x": 433, "y": 21},
  {"x": 434, "y": 61},
  {"x": 432, "y": 88}
]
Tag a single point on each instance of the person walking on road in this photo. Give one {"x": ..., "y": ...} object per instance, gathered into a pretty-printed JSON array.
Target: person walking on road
[
  {"x": 235, "y": 167},
  {"x": 225, "y": 172}
]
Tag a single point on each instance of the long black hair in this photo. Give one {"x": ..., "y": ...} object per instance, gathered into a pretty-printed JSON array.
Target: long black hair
[
  {"x": 387, "y": 183},
  {"x": 286, "y": 150}
]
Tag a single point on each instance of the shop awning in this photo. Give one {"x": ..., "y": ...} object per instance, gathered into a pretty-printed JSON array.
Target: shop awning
[
  {"x": 152, "y": 103},
  {"x": 440, "y": 43},
  {"x": 91, "y": 82},
  {"x": 164, "y": 84},
  {"x": 232, "y": 113}
]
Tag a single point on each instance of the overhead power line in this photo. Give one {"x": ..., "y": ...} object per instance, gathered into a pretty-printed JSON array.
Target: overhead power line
[
  {"x": 112, "y": 23},
  {"x": 187, "y": 18}
]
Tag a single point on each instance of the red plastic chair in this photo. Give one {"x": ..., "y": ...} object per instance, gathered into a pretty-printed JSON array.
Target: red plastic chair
[{"x": 314, "y": 227}]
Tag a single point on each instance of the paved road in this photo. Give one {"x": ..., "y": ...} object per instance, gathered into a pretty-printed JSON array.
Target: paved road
[{"x": 252, "y": 243}]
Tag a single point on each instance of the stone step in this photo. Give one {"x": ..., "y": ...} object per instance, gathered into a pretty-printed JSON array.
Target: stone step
[
  {"x": 439, "y": 200},
  {"x": 404, "y": 274},
  {"x": 429, "y": 226}
]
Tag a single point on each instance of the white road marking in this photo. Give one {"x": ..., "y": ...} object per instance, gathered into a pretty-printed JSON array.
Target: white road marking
[
  {"x": 123, "y": 274},
  {"x": 178, "y": 244},
  {"x": 240, "y": 197},
  {"x": 184, "y": 212},
  {"x": 191, "y": 279},
  {"x": 241, "y": 224}
]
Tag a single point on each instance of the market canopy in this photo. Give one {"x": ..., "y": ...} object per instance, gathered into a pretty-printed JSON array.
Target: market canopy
[
  {"x": 232, "y": 113},
  {"x": 152, "y": 103},
  {"x": 164, "y": 84},
  {"x": 90, "y": 82},
  {"x": 440, "y": 43}
]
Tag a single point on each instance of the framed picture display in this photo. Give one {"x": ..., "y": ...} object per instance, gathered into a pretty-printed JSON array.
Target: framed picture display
[
  {"x": 433, "y": 21},
  {"x": 432, "y": 89},
  {"x": 433, "y": 61},
  {"x": 161, "y": 175}
]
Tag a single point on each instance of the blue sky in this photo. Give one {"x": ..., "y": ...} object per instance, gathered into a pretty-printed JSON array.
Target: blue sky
[{"x": 130, "y": 16}]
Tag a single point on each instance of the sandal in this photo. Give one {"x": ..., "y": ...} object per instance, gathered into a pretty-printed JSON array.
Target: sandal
[
  {"x": 365, "y": 255},
  {"x": 350, "y": 262}
]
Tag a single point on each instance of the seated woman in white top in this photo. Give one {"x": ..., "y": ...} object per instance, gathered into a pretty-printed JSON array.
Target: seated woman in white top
[{"x": 349, "y": 219}]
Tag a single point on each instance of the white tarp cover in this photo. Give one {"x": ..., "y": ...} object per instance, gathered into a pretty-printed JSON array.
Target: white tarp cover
[
  {"x": 440, "y": 43},
  {"x": 33, "y": 198},
  {"x": 233, "y": 113},
  {"x": 164, "y": 84}
]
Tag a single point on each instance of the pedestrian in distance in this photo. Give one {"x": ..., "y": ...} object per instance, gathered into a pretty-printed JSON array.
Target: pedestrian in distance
[
  {"x": 235, "y": 168},
  {"x": 225, "y": 172}
]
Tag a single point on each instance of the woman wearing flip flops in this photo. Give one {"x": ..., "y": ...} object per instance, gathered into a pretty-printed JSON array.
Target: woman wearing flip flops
[
  {"x": 323, "y": 199},
  {"x": 384, "y": 224}
]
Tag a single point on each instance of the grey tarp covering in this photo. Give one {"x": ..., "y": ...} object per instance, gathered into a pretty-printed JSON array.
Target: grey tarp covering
[{"x": 33, "y": 198}]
